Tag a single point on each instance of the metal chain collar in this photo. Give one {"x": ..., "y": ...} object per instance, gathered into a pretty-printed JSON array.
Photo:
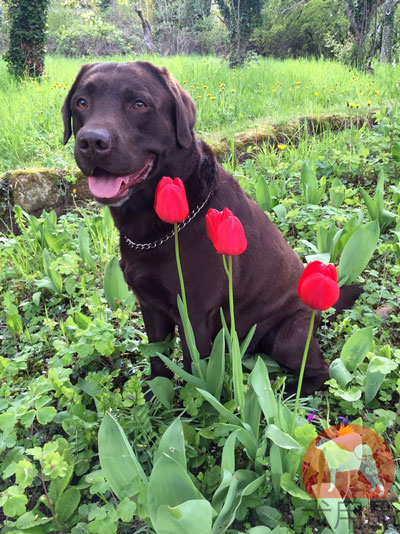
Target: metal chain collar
[{"x": 154, "y": 244}]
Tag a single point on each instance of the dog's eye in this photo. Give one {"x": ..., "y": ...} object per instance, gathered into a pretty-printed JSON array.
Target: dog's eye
[
  {"x": 139, "y": 104},
  {"x": 82, "y": 103}
]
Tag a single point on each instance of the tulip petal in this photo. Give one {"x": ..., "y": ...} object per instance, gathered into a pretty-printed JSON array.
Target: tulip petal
[
  {"x": 319, "y": 292},
  {"x": 170, "y": 201}
]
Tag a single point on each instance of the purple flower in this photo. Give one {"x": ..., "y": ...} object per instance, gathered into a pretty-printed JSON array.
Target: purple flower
[
  {"x": 311, "y": 416},
  {"x": 343, "y": 420}
]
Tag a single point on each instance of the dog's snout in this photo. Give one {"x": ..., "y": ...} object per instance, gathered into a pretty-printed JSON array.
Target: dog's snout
[{"x": 96, "y": 142}]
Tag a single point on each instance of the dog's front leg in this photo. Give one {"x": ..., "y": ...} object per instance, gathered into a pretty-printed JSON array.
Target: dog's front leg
[{"x": 158, "y": 327}]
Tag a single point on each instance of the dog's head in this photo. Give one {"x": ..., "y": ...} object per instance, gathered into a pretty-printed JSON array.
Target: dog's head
[{"x": 127, "y": 118}]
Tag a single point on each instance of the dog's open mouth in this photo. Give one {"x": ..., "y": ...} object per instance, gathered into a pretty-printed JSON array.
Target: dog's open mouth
[{"x": 104, "y": 185}]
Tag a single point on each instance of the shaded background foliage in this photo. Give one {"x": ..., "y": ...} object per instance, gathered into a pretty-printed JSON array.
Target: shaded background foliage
[{"x": 357, "y": 32}]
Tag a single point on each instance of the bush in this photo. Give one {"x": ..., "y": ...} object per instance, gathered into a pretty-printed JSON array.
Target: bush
[
  {"x": 25, "y": 55},
  {"x": 95, "y": 40}
]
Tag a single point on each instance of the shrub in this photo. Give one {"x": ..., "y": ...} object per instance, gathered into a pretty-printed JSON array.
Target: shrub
[
  {"x": 26, "y": 51},
  {"x": 101, "y": 39}
]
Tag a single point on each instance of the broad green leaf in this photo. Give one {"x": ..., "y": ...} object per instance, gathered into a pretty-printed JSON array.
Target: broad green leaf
[
  {"x": 282, "y": 439},
  {"x": 27, "y": 419},
  {"x": 116, "y": 290},
  {"x": 350, "y": 395},
  {"x": 245, "y": 344},
  {"x": 216, "y": 366},
  {"x": 382, "y": 365},
  {"x": 357, "y": 252},
  {"x": 46, "y": 414},
  {"x": 126, "y": 510},
  {"x": 226, "y": 414},
  {"x": 66, "y": 504},
  {"x": 339, "y": 372},
  {"x": 163, "y": 389},
  {"x": 84, "y": 248},
  {"x": 192, "y": 516},
  {"x": 372, "y": 384},
  {"x": 288, "y": 484},
  {"x": 15, "y": 506},
  {"x": 259, "y": 530},
  {"x": 276, "y": 468},
  {"x": 396, "y": 151},
  {"x": 189, "y": 378},
  {"x": 263, "y": 195},
  {"x": 271, "y": 517},
  {"x": 356, "y": 348},
  {"x": 117, "y": 459},
  {"x": 373, "y": 211},
  {"x": 188, "y": 331},
  {"x": 228, "y": 453},
  {"x": 336, "y": 515},
  {"x": 7, "y": 422},
  {"x": 172, "y": 444},
  {"x": 378, "y": 368},
  {"x": 259, "y": 381},
  {"x": 305, "y": 434},
  {"x": 280, "y": 212},
  {"x": 170, "y": 485}
]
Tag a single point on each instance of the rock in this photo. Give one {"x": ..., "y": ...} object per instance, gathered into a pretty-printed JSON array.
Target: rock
[{"x": 39, "y": 189}]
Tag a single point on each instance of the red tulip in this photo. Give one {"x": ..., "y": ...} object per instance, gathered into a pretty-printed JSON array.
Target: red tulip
[
  {"x": 170, "y": 201},
  {"x": 318, "y": 287},
  {"x": 226, "y": 232}
]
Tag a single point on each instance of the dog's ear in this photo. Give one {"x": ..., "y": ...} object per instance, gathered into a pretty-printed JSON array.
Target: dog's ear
[
  {"x": 66, "y": 109},
  {"x": 185, "y": 111}
]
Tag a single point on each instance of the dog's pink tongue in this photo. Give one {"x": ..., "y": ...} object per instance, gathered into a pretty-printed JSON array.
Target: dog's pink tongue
[{"x": 104, "y": 187}]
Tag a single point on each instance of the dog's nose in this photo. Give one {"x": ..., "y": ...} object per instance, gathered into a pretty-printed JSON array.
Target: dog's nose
[{"x": 96, "y": 142}]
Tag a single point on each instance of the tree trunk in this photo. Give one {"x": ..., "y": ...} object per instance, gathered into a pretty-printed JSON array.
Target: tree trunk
[
  {"x": 147, "y": 35},
  {"x": 389, "y": 10}
]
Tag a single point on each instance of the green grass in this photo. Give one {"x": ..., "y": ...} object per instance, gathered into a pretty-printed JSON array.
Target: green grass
[{"x": 227, "y": 101}]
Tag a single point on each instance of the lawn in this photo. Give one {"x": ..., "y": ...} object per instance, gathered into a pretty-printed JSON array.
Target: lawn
[{"x": 74, "y": 355}]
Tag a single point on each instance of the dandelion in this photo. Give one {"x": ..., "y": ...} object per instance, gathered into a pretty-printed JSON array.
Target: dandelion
[
  {"x": 377, "y": 92},
  {"x": 184, "y": 81},
  {"x": 233, "y": 90},
  {"x": 369, "y": 103},
  {"x": 213, "y": 98},
  {"x": 205, "y": 86},
  {"x": 316, "y": 94},
  {"x": 280, "y": 146}
]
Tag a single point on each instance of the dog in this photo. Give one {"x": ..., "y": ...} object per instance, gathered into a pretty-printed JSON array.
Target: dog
[{"x": 133, "y": 124}]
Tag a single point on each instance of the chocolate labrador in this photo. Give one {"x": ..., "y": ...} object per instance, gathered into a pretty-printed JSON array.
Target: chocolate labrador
[{"x": 133, "y": 124}]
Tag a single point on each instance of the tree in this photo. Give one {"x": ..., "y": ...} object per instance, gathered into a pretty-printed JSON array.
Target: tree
[
  {"x": 302, "y": 28},
  {"x": 26, "y": 51},
  {"x": 241, "y": 17},
  {"x": 360, "y": 14},
  {"x": 389, "y": 10}
]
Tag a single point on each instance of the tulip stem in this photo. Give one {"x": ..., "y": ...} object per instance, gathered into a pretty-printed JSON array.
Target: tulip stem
[
  {"x": 178, "y": 264},
  {"x": 236, "y": 356},
  {"x": 225, "y": 265},
  {"x": 190, "y": 340},
  {"x": 301, "y": 374}
]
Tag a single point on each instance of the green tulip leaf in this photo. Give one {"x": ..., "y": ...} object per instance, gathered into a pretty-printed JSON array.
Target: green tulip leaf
[
  {"x": 191, "y": 516},
  {"x": 355, "y": 349},
  {"x": 339, "y": 372},
  {"x": 357, "y": 252},
  {"x": 116, "y": 290}
]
